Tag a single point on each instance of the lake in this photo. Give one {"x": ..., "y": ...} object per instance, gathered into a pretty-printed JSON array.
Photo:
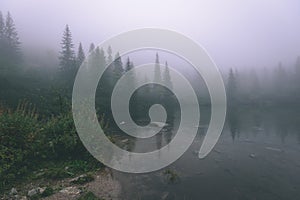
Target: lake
[{"x": 256, "y": 157}]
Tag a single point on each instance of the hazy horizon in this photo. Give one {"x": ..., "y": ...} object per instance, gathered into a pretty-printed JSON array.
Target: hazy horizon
[{"x": 235, "y": 34}]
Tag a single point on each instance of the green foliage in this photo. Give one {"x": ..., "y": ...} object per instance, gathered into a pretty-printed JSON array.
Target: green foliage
[
  {"x": 48, "y": 192},
  {"x": 83, "y": 179},
  {"x": 56, "y": 173},
  {"x": 89, "y": 196},
  {"x": 60, "y": 137},
  {"x": 27, "y": 142},
  {"x": 171, "y": 176},
  {"x": 18, "y": 133},
  {"x": 83, "y": 166}
]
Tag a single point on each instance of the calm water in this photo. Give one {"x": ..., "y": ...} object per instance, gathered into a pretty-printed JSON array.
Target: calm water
[{"x": 257, "y": 157}]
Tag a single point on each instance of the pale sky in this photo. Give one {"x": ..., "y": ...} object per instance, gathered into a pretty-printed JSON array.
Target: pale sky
[{"x": 236, "y": 33}]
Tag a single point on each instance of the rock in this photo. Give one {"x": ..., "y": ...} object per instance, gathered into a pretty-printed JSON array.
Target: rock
[
  {"x": 214, "y": 150},
  {"x": 76, "y": 178},
  {"x": 82, "y": 179},
  {"x": 195, "y": 152},
  {"x": 35, "y": 191},
  {"x": 125, "y": 140},
  {"x": 274, "y": 149},
  {"x": 228, "y": 171},
  {"x": 248, "y": 141},
  {"x": 252, "y": 155},
  {"x": 165, "y": 195},
  {"x": 32, "y": 192},
  {"x": 41, "y": 190},
  {"x": 13, "y": 191},
  {"x": 201, "y": 126},
  {"x": 23, "y": 198},
  {"x": 122, "y": 123},
  {"x": 70, "y": 190},
  {"x": 257, "y": 128},
  {"x": 158, "y": 124}
]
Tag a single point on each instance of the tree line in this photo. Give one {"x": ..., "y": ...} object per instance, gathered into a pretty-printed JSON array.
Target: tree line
[
  {"x": 273, "y": 86},
  {"x": 10, "y": 52},
  {"x": 265, "y": 86}
]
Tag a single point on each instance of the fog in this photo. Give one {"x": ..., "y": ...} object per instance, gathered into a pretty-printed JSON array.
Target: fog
[
  {"x": 240, "y": 34},
  {"x": 66, "y": 104}
]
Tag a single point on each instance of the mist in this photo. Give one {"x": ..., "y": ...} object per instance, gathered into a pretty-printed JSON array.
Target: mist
[
  {"x": 236, "y": 34},
  {"x": 82, "y": 119}
]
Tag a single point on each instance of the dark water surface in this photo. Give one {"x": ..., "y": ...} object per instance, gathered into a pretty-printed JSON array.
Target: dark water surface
[{"x": 256, "y": 157}]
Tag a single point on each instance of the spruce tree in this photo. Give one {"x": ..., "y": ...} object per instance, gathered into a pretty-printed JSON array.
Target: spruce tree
[
  {"x": 67, "y": 58},
  {"x": 118, "y": 67},
  {"x": 109, "y": 57},
  {"x": 109, "y": 74},
  {"x": 297, "y": 71},
  {"x": 131, "y": 84},
  {"x": 1, "y": 27},
  {"x": 92, "y": 47},
  {"x": 297, "y": 77},
  {"x": 1, "y": 37},
  {"x": 280, "y": 81},
  {"x": 11, "y": 40},
  {"x": 255, "y": 87},
  {"x": 129, "y": 66},
  {"x": 167, "y": 77},
  {"x": 80, "y": 55},
  {"x": 157, "y": 74},
  {"x": 231, "y": 88},
  {"x": 99, "y": 57}
]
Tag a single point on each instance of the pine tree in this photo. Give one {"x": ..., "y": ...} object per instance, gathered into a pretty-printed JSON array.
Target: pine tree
[
  {"x": 231, "y": 88},
  {"x": 297, "y": 77},
  {"x": 109, "y": 74},
  {"x": 67, "y": 58},
  {"x": 92, "y": 47},
  {"x": 11, "y": 40},
  {"x": 157, "y": 74},
  {"x": 100, "y": 57},
  {"x": 109, "y": 52},
  {"x": 297, "y": 69},
  {"x": 118, "y": 67},
  {"x": 280, "y": 81},
  {"x": 129, "y": 66},
  {"x": 167, "y": 77},
  {"x": 80, "y": 55},
  {"x": 1, "y": 27},
  {"x": 255, "y": 87},
  {"x": 1, "y": 37}
]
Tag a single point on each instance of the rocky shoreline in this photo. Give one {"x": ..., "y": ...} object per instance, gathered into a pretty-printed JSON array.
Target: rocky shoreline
[{"x": 99, "y": 184}]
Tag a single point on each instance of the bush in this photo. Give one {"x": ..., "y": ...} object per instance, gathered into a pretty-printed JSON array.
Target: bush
[
  {"x": 61, "y": 139},
  {"x": 89, "y": 196},
  {"x": 18, "y": 134},
  {"x": 28, "y": 142}
]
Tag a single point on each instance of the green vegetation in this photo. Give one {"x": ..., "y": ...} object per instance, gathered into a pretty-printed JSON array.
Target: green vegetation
[
  {"x": 83, "y": 179},
  {"x": 29, "y": 144},
  {"x": 89, "y": 196},
  {"x": 171, "y": 176},
  {"x": 47, "y": 192}
]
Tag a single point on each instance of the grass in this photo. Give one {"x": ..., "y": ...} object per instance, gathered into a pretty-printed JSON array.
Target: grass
[
  {"x": 33, "y": 148},
  {"x": 83, "y": 179},
  {"x": 89, "y": 196},
  {"x": 171, "y": 175}
]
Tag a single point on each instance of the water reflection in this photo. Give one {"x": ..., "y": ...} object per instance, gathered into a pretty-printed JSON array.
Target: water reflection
[
  {"x": 262, "y": 163},
  {"x": 233, "y": 122}
]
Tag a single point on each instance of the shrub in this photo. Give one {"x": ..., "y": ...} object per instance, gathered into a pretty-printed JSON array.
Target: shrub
[
  {"x": 18, "y": 134},
  {"x": 60, "y": 137}
]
